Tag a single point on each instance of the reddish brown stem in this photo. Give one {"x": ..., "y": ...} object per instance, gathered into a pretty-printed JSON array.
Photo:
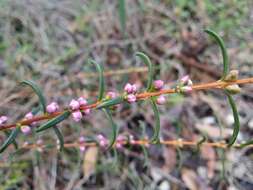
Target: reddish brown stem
[{"x": 140, "y": 96}]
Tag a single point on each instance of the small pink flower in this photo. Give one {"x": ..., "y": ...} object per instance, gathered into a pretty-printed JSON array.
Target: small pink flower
[
  {"x": 131, "y": 98},
  {"x": 3, "y": 119},
  {"x": 134, "y": 88},
  {"x": 39, "y": 142},
  {"x": 52, "y": 107},
  {"x": 77, "y": 116},
  {"x": 128, "y": 88},
  {"x": 81, "y": 139},
  {"x": 82, "y": 101},
  {"x": 120, "y": 141},
  {"x": 74, "y": 105},
  {"x": 161, "y": 100},
  {"x": 184, "y": 79},
  {"x": 30, "y": 116},
  {"x": 186, "y": 89},
  {"x": 25, "y": 129},
  {"x": 87, "y": 111},
  {"x": 111, "y": 95},
  {"x": 82, "y": 149},
  {"x": 103, "y": 142},
  {"x": 158, "y": 84}
]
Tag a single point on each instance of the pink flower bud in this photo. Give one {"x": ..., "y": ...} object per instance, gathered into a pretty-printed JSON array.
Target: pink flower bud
[
  {"x": 52, "y": 108},
  {"x": 29, "y": 116},
  {"x": 161, "y": 100},
  {"x": 77, "y": 116},
  {"x": 131, "y": 98},
  {"x": 3, "y": 119},
  {"x": 25, "y": 129},
  {"x": 134, "y": 88},
  {"x": 158, "y": 84},
  {"x": 103, "y": 142},
  {"x": 118, "y": 145},
  {"x": 82, "y": 101},
  {"x": 39, "y": 142},
  {"x": 111, "y": 95},
  {"x": 74, "y": 105},
  {"x": 82, "y": 149},
  {"x": 128, "y": 88},
  {"x": 87, "y": 111},
  {"x": 81, "y": 139},
  {"x": 186, "y": 89},
  {"x": 184, "y": 79}
]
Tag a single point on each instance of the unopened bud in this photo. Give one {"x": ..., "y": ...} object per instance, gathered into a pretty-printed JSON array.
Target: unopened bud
[{"x": 233, "y": 89}]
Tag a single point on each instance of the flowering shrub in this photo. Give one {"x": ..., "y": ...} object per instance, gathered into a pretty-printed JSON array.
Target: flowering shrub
[{"x": 155, "y": 93}]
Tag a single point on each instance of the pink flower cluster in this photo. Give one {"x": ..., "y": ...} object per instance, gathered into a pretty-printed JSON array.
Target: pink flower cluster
[
  {"x": 81, "y": 142},
  {"x": 131, "y": 90},
  {"x": 158, "y": 85},
  {"x": 103, "y": 141},
  {"x": 26, "y": 129},
  {"x": 75, "y": 105},
  {"x": 52, "y": 107},
  {"x": 186, "y": 84}
]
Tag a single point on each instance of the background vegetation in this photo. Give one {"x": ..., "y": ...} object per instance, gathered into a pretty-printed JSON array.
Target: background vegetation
[{"x": 50, "y": 43}]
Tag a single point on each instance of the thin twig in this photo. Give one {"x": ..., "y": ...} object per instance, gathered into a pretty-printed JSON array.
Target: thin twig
[{"x": 140, "y": 96}]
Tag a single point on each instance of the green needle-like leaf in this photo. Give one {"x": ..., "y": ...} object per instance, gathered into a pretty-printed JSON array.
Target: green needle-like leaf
[
  {"x": 39, "y": 93},
  {"x": 7, "y": 134},
  {"x": 111, "y": 102},
  {"x": 246, "y": 143},
  {"x": 155, "y": 138},
  {"x": 122, "y": 15},
  {"x": 114, "y": 128},
  {"x": 54, "y": 121},
  {"x": 147, "y": 62},
  {"x": 236, "y": 120},
  {"x": 101, "y": 78},
  {"x": 223, "y": 51},
  {"x": 59, "y": 136},
  {"x": 11, "y": 138},
  {"x": 42, "y": 100}
]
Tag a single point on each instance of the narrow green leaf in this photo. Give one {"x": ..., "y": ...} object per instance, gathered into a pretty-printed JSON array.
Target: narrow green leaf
[
  {"x": 179, "y": 158},
  {"x": 39, "y": 93},
  {"x": 114, "y": 128},
  {"x": 236, "y": 120},
  {"x": 101, "y": 78},
  {"x": 54, "y": 121},
  {"x": 11, "y": 138},
  {"x": 7, "y": 134},
  {"x": 111, "y": 102},
  {"x": 59, "y": 136},
  {"x": 250, "y": 142},
  {"x": 220, "y": 42},
  {"x": 145, "y": 153},
  {"x": 122, "y": 15},
  {"x": 147, "y": 62},
  {"x": 155, "y": 138}
]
